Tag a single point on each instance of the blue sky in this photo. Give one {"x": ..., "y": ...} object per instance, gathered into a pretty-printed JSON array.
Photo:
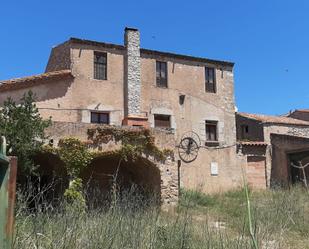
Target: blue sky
[{"x": 267, "y": 39}]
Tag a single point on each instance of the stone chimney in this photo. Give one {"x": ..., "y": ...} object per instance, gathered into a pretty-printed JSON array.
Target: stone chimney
[{"x": 132, "y": 84}]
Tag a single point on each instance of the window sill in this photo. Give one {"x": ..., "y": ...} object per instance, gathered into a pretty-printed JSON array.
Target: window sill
[
  {"x": 170, "y": 130},
  {"x": 161, "y": 87},
  {"x": 99, "y": 79},
  {"x": 99, "y": 123},
  {"x": 212, "y": 143}
]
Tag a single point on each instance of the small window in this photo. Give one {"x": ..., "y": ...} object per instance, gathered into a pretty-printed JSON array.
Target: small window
[
  {"x": 100, "y": 66},
  {"x": 162, "y": 121},
  {"x": 211, "y": 131},
  {"x": 210, "y": 80},
  {"x": 244, "y": 131},
  {"x": 161, "y": 74},
  {"x": 100, "y": 117}
]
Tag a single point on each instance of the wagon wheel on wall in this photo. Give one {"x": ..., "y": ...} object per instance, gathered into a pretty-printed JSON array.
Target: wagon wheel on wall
[{"x": 188, "y": 147}]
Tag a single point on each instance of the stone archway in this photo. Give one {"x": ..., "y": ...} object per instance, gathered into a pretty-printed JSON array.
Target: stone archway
[
  {"x": 102, "y": 139},
  {"x": 106, "y": 174},
  {"x": 50, "y": 181}
]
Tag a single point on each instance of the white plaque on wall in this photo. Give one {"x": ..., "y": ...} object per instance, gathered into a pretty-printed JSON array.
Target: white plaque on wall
[{"x": 214, "y": 168}]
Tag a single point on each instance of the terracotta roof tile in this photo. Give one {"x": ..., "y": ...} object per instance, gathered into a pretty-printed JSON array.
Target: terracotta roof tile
[
  {"x": 273, "y": 119},
  {"x": 18, "y": 83},
  {"x": 253, "y": 143}
]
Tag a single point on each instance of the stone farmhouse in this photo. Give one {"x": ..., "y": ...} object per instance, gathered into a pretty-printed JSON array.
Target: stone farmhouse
[
  {"x": 270, "y": 144},
  {"x": 89, "y": 84}
]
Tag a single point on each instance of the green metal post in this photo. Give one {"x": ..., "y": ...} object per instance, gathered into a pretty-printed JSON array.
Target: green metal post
[{"x": 8, "y": 170}]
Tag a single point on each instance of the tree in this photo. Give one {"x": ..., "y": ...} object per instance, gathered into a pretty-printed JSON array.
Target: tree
[{"x": 23, "y": 128}]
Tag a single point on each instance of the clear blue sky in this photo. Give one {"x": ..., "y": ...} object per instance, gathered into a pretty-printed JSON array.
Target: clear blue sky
[{"x": 267, "y": 39}]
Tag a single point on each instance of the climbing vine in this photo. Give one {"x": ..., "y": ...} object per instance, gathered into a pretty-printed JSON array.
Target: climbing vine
[
  {"x": 77, "y": 155},
  {"x": 134, "y": 142}
]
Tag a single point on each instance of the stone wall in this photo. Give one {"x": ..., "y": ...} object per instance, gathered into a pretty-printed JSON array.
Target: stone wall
[
  {"x": 255, "y": 129},
  {"x": 275, "y": 158},
  {"x": 133, "y": 71},
  {"x": 285, "y": 129},
  {"x": 169, "y": 188}
]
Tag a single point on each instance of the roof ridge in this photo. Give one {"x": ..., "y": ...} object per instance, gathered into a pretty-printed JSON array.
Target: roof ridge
[{"x": 273, "y": 119}]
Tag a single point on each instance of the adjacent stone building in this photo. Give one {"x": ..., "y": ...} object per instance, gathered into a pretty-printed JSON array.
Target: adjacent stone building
[
  {"x": 302, "y": 114},
  {"x": 125, "y": 85},
  {"x": 270, "y": 144}
]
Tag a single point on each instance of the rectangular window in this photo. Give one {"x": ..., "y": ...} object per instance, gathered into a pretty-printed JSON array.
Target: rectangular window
[
  {"x": 162, "y": 121},
  {"x": 211, "y": 130},
  {"x": 210, "y": 80},
  {"x": 100, "y": 66},
  {"x": 100, "y": 117},
  {"x": 244, "y": 131},
  {"x": 161, "y": 74}
]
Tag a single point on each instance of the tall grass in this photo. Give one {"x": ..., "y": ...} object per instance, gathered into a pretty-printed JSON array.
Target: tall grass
[{"x": 279, "y": 218}]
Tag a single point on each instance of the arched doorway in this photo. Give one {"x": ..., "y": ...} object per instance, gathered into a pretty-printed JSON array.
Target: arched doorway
[
  {"x": 106, "y": 175},
  {"x": 46, "y": 187}
]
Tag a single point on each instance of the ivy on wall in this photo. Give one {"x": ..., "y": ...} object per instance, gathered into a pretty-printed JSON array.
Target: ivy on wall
[
  {"x": 134, "y": 143},
  {"x": 77, "y": 155}
]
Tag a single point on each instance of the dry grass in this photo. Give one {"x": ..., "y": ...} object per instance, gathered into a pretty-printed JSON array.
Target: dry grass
[
  {"x": 280, "y": 217},
  {"x": 280, "y": 220}
]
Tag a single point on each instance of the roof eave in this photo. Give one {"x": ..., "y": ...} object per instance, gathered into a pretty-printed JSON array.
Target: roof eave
[
  {"x": 74, "y": 40},
  {"x": 282, "y": 123},
  {"x": 20, "y": 83}
]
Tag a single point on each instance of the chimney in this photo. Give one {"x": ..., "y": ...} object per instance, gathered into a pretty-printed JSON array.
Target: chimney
[{"x": 132, "y": 84}]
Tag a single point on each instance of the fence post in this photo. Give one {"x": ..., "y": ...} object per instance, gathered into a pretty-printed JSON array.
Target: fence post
[{"x": 8, "y": 172}]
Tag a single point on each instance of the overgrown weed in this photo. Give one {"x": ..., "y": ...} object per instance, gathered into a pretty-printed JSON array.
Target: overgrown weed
[{"x": 280, "y": 220}]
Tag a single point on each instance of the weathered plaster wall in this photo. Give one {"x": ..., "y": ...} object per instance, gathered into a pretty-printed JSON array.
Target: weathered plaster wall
[
  {"x": 184, "y": 77},
  {"x": 198, "y": 175},
  {"x": 94, "y": 94},
  {"x": 188, "y": 78},
  {"x": 53, "y": 99}
]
